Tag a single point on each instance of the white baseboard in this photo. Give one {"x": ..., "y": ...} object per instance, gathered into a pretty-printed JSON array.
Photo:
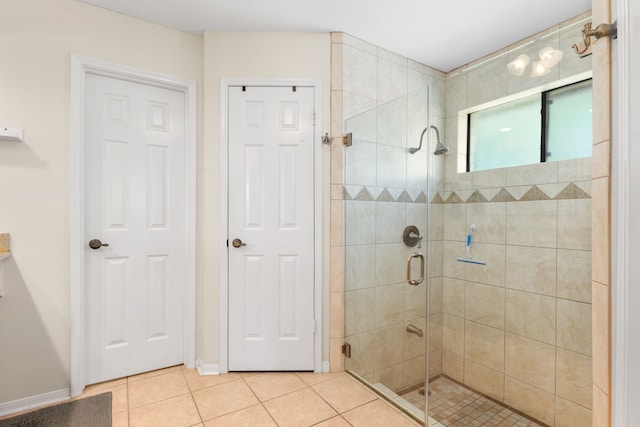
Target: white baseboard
[
  {"x": 214, "y": 369},
  {"x": 31, "y": 402},
  {"x": 207, "y": 369}
]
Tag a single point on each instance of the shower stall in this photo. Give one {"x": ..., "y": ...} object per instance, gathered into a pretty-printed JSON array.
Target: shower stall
[
  {"x": 503, "y": 340},
  {"x": 387, "y": 244}
]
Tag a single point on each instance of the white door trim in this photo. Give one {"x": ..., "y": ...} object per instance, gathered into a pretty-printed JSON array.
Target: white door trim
[
  {"x": 625, "y": 206},
  {"x": 224, "y": 209},
  {"x": 80, "y": 67}
]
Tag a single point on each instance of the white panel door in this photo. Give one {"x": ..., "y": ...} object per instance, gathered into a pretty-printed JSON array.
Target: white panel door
[
  {"x": 135, "y": 204},
  {"x": 271, "y": 211}
]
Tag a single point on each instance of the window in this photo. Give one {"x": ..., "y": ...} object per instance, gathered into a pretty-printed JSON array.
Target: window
[
  {"x": 548, "y": 126},
  {"x": 568, "y": 122}
]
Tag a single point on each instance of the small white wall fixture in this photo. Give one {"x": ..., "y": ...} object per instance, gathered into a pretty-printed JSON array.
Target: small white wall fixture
[
  {"x": 81, "y": 66},
  {"x": 9, "y": 134}
]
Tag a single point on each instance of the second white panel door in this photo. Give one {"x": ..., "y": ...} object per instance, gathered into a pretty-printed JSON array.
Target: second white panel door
[{"x": 271, "y": 214}]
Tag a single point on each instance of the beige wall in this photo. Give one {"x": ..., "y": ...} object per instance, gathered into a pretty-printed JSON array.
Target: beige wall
[
  {"x": 251, "y": 55},
  {"x": 36, "y": 42},
  {"x": 521, "y": 325}
]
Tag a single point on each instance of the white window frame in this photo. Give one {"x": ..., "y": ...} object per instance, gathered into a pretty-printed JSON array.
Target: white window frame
[{"x": 463, "y": 114}]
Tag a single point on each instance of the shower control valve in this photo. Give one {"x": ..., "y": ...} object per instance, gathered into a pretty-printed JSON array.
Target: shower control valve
[{"x": 411, "y": 236}]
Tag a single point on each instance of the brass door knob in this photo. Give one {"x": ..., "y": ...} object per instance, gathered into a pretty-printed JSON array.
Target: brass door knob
[
  {"x": 97, "y": 244},
  {"x": 238, "y": 243}
]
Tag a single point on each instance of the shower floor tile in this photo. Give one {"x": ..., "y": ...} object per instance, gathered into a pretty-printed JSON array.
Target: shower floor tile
[{"x": 454, "y": 405}]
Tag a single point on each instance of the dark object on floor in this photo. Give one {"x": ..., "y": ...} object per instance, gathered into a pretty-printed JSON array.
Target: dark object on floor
[
  {"x": 94, "y": 411},
  {"x": 422, "y": 392}
]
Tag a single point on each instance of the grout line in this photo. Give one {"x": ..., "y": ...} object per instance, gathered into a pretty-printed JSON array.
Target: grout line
[
  {"x": 251, "y": 389},
  {"x": 192, "y": 397},
  {"x": 128, "y": 403},
  {"x": 330, "y": 405},
  {"x": 157, "y": 401},
  {"x": 269, "y": 413}
]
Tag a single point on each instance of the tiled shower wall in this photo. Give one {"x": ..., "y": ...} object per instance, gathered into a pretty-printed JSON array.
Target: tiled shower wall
[
  {"x": 601, "y": 219},
  {"x": 519, "y": 328},
  {"x": 378, "y": 189}
]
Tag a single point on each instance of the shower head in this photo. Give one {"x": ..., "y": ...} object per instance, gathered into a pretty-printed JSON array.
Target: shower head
[{"x": 440, "y": 147}]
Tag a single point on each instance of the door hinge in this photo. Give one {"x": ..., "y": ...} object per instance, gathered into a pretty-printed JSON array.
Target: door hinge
[
  {"x": 314, "y": 117},
  {"x": 348, "y": 140},
  {"x": 313, "y": 325},
  {"x": 346, "y": 350}
]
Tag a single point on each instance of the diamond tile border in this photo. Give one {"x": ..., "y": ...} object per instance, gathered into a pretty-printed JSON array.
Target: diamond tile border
[
  {"x": 570, "y": 191},
  {"x": 384, "y": 195}
]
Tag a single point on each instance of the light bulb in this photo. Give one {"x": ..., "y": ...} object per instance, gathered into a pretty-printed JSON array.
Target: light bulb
[
  {"x": 539, "y": 69},
  {"x": 550, "y": 56},
  {"x": 518, "y": 65}
]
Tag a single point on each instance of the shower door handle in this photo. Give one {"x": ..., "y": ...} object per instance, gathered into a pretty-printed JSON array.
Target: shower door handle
[{"x": 409, "y": 260}]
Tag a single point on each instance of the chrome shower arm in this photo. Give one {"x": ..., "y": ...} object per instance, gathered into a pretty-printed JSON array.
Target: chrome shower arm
[
  {"x": 414, "y": 150},
  {"x": 437, "y": 133}
]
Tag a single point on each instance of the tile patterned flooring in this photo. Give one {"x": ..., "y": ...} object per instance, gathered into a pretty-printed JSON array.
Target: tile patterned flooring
[
  {"x": 451, "y": 404},
  {"x": 180, "y": 397}
]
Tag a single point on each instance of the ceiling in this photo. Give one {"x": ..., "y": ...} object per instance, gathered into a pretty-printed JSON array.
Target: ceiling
[{"x": 443, "y": 34}]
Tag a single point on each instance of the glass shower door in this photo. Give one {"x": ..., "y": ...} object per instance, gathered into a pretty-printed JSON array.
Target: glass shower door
[{"x": 385, "y": 197}]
